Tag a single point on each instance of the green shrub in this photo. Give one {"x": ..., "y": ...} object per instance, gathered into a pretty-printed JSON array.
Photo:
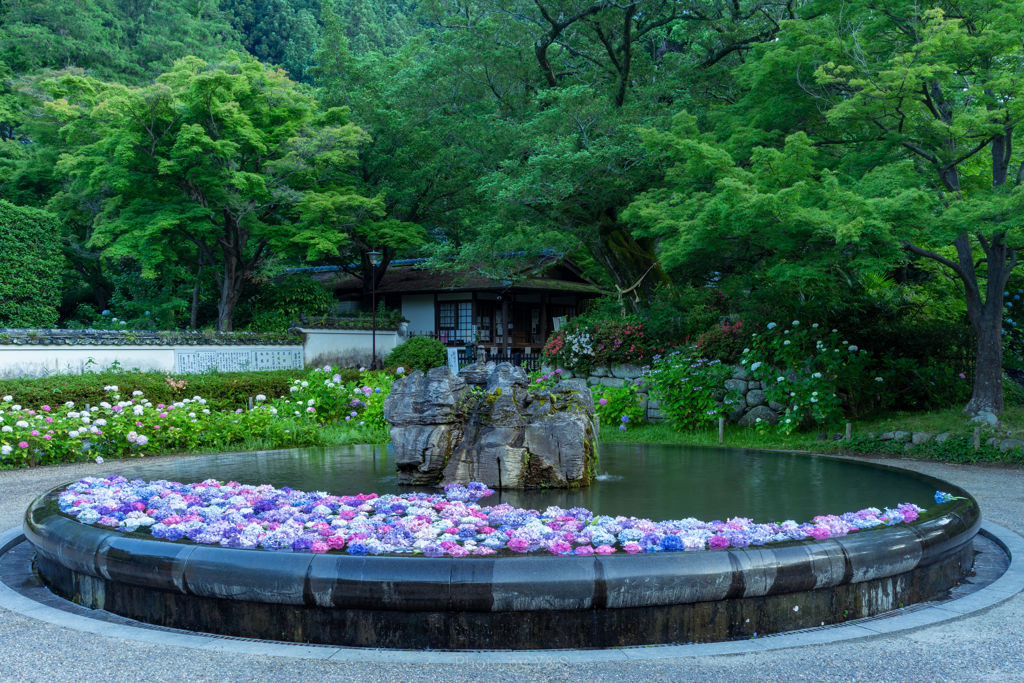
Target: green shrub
[
  {"x": 419, "y": 353},
  {"x": 221, "y": 389},
  {"x": 584, "y": 344},
  {"x": 30, "y": 267},
  {"x": 1013, "y": 392},
  {"x": 614, "y": 404},
  {"x": 805, "y": 369},
  {"x": 277, "y": 304}
]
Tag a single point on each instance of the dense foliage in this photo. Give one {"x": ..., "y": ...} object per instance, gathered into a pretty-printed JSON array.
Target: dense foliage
[
  {"x": 817, "y": 160},
  {"x": 29, "y": 267}
]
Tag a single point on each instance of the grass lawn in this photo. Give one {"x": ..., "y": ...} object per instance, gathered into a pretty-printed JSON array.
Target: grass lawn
[{"x": 958, "y": 448}]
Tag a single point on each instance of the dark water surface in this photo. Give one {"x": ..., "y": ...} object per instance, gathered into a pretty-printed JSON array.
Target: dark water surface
[{"x": 642, "y": 480}]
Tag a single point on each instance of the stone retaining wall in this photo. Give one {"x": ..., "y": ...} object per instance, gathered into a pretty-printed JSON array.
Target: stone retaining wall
[{"x": 753, "y": 404}]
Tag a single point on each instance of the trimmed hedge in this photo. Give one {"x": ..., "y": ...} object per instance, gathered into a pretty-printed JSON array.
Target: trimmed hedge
[
  {"x": 30, "y": 267},
  {"x": 222, "y": 389}
]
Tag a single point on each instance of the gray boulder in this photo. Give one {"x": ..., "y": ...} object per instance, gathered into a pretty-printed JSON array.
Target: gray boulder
[
  {"x": 738, "y": 411},
  {"x": 1007, "y": 445},
  {"x": 626, "y": 371},
  {"x": 506, "y": 376},
  {"x": 477, "y": 373},
  {"x": 756, "y": 397},
  {"x": 737, "y": 385},
  {"x": 985, "y": 417},
  {"x": 740, "y": 372},
  {"x": 920, "y": 437},
  {"x": 943, "y": 437},
  {"x": 615, "y": 382},
  {"x": 427, "y": 399},
  {"x": 776, "y": 406},
  {"x": 764, "y": 413},
  {"x": 601, "y": 371},
  {"x": 900, "y": 436},
  {"x": 422, "y": 451}
]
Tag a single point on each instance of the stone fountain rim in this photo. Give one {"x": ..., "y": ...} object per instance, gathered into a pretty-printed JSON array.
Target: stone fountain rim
[{"x": 498, "y": 584}]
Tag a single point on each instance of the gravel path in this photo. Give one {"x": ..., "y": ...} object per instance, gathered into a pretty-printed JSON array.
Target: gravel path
[{"x": 988, "y": 647}]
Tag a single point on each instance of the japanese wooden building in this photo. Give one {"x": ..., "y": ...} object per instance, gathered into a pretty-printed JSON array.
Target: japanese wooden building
[{"x": 468, "y": 308}]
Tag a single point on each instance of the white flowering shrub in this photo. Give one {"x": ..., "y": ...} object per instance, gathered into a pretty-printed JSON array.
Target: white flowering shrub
[{"x": 803, "y": 368}]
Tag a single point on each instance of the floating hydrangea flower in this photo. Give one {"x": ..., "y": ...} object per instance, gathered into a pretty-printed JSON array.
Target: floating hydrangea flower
[{"x": 451, "y": 524}]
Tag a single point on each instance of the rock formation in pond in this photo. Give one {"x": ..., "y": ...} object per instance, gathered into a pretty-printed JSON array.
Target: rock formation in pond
[{"x": 487, "y": 425}]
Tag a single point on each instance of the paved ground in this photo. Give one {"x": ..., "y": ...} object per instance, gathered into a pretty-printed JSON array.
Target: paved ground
[{"x": 988, "y": 647}]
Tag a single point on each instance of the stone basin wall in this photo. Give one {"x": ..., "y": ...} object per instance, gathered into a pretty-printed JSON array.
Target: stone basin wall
[{"x": 753, "y": 404}]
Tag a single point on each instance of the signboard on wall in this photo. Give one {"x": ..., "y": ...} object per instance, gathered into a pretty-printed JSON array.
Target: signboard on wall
[{"x": 238, "y": 360}]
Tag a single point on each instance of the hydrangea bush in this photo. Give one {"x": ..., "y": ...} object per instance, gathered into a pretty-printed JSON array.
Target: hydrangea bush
[
  {"x": 803, "y": 368},
  {"x": 620, "y": 407},
  {"x": 131, "y": 426},
  {"x": 451, "y": 524},
  {"x": 690, "y": 390}
]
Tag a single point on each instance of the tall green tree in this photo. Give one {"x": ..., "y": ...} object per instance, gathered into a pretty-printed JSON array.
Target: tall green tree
[
  {"x": 213, "y": 163},
  {"x": 572, "y": 81},
  {"x": 894, "y": 127},
  {"x": 428, "y": 144},
  {"x": 942, "y": 88}
]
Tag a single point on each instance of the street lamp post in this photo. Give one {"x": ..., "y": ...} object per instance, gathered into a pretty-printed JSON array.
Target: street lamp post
[{"x": 374, "y": 257}]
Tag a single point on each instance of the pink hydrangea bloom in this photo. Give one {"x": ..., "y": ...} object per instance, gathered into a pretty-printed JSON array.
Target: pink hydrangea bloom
[
  {"x": 519, "y": 545},
  {"x": 717, "y": 542}
]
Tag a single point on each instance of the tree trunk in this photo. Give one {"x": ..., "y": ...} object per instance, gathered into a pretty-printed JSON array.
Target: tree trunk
[
  {"x": 986, "y": 316},
  {"x": 231, "y": 280},
  {"x": 230, "y": 292},
  {"x": 988, "y": 372},
  {"x": 194, "y": 315},
  {"x": 627, "y": 260}
]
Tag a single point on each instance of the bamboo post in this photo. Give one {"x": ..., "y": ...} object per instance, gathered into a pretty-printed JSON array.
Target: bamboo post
[
  {"x": 977, "y": 438},
  {"x": 250, "y": 403},
  {"x": 849, "y": 432},
  {"x": 721, "y": 430}
]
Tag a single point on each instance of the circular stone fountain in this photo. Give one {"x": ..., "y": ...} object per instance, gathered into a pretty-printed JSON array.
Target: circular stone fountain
[{"x": 532, "y": 601}]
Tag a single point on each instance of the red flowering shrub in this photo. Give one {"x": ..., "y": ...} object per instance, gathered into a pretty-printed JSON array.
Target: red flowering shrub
[{"x": 723, "y": 342}]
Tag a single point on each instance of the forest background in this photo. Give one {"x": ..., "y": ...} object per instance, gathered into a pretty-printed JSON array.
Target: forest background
[{"x": 733, "y": 164}]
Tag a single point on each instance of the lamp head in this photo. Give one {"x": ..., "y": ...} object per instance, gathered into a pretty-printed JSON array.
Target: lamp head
[{"x": 374, "y": 257}]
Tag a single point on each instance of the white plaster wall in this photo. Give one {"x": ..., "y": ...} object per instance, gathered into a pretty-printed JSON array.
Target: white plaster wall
[
  {"x": 37, "y": 360},
  {"x": 346, "y": 347},
  {"x": 418, "y": 309}
]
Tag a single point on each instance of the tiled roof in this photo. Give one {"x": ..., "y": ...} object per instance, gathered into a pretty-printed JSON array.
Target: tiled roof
[
  {"x": 21, "y": 337},
  {"x": 403, "y": 279}
]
